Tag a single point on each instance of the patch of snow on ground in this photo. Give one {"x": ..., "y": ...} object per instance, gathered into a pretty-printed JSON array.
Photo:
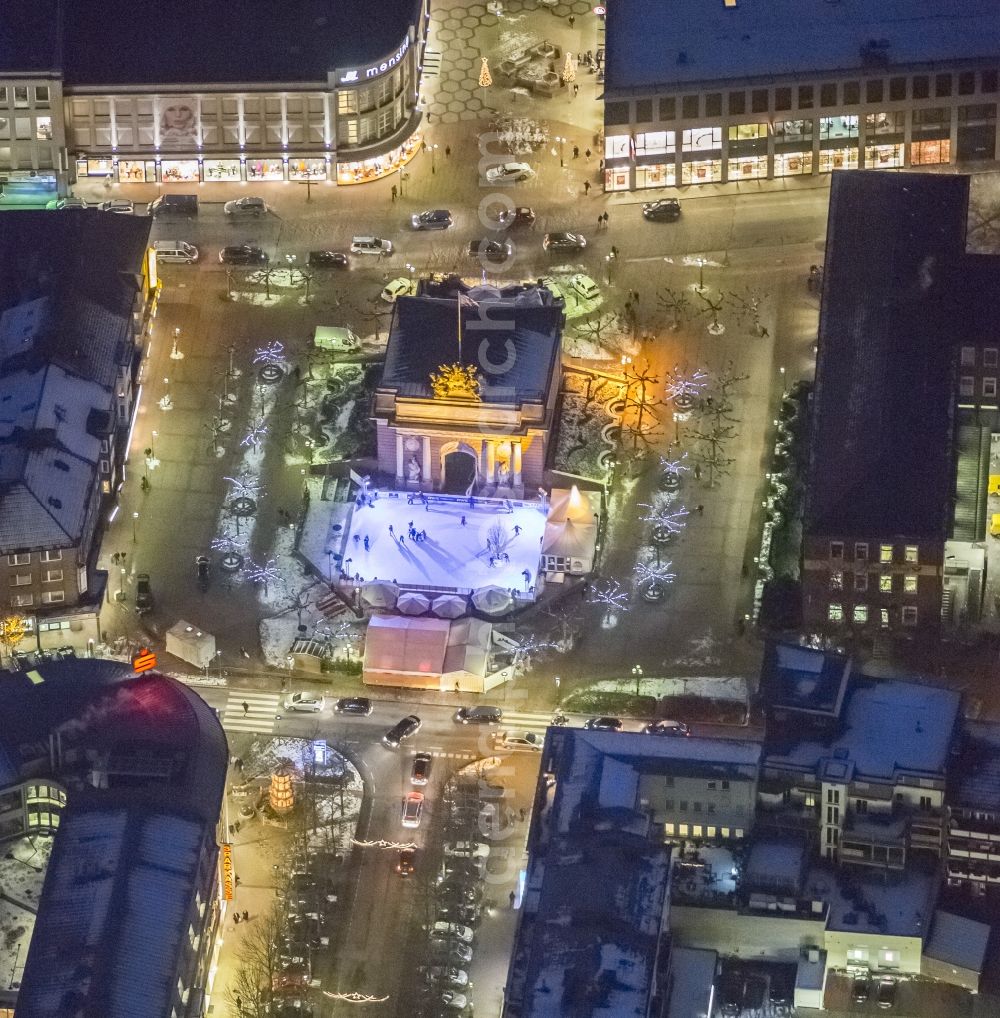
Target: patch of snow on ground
[{"x": 723, "y": 688}]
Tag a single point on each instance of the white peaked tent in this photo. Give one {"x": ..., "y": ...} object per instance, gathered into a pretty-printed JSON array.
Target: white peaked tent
[{"x": 570, "y": 537}]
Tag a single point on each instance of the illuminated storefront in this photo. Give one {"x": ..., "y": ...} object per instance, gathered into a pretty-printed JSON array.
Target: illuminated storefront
[
  {"x": 790, "y": 164},
  {"x": 136, "y": 171},
  {"x": 308, "y": 168},
  {"x": 180, "y": 171},
  {"x": 884, "y": 157},
  {"x": 265, "y": 169},
  {"x": 838, "y": 159},
  {"x": 380, "y": 166},
  {"x": 616, "y": 178},
  {"x": 748, "y": 168},
  {"x": 656, "y": 175},
  {"x": 930, "y": 153},
  {"x": 221, "y": 170},
  {"x": 701, "y": 171}
]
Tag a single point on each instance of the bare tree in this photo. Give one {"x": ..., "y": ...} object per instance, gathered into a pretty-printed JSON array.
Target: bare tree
[
  {"x": 600, "y": 327},
  {"x": 640, "y": 383},
  {"x": 748, "y": 305},
  {"x": 614, "y": 598},
  {"x": 372, "y": 313},
  {"x": 711, "y": 451},
  {"x": 711, "y": 307},
  {"x": 258, "y": 964},
  {"x": 496, "y": 539},
  {"x": 675, "y": 303}
]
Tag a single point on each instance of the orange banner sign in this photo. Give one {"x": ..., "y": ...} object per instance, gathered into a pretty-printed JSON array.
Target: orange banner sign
[
  {"x": 144, "y": 661},
  {"x": 227, "y": 872}
]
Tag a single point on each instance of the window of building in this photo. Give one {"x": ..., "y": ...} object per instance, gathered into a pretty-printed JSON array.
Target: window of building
[
  {"x": 828, "y": 94},
  {"x": 909, "y": 615},
  {"x": 888, "y": 959},
  {"x": 921, "y": 86},
  {"x": 53, "y": 597},
  {"x": 885, "y": 122},
  {"x": 668, "y": 830},
  {"x": 616, "y": 146},
  {"x": 782, "y": 98},
  {"x": 885, "y": 553},
  {"x": 831, "y": 835},
  {"x": 911, "y": 554},
  {"x": 885, "y": 584},
  {"x": 683, "y": 805},
  {"x": 682, "y": 830},
  {"x": 20, "y": 95},
  {"x": 861, "y": 551},
  {"x": 925, "y": 803},
  {"x": 696, "y": 807},
  {"x": 966, "y": 386},
  {"x": 643, "y": 110},
  {"x": 942, "y": 85},
  {"x": 668, "y": 805},
  {"x": 737, "y": 102},
  {"x": 20, "y": 579},
  {"x": 910, "y": 584},
  {"x": 805, "y": 97},
  {"x": 874, "y": 90},
  {"x": 758, "y": 100},
  {"x": 725, "y": 785},
  {"x": 43, "y": 129},
  {"x": 833, "y": 795},
  {"x": 838, "y": 127},
  {"x": 713, "y": 104},
  {"x": 711, "y": 785},
  {"x": 52, "y": 576},
  {"x": 852, "y": 93},
  {"x": 837, "y": 580},
  {"x": 884, "y": 618},
  {"x": 689, "y": 107},
  {"x": 833, "y": 814},
  {"x": 710, "y": 831},
  {"x": 861, "y": 582},
  {"x": 724, "y": 832},
  {"x": 696, "y": 831},
  {"x": 861, "y": 806},
  {"x": 669, "y": 781},
  {"x": 701, "y": 139},
  {"x": 989, "y": 387},
  {"x": 3, "y": 95},
  {"x": 988, "y": 81},
  {"x": 746, "y": 132},
  {"x": 22, "y": 601},
  {"x": 968, "y": 356},
  {"x": 835, "y": 612},
  {"x": 837, "y": 549},
  {"x": 347, "y": 101},
  {"x": 809, "y": 800},
  {"x": 967, "y": 83},
  {"x": 861, "y": 614},
  {"x": 52, "y": 555},
  {"x": 797, "y": 131},
  {"x": 42, "y": 95},
  {"x": 990, "y": 357},
  {"x": 668, "y": 109},
  {"x": 616, "y": 113},
  {"x": 897, "y": 89}
]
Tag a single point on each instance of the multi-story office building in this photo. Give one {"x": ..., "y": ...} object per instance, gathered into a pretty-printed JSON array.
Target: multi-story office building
[
  {"x": 697, "y": 91},
  {"x": 75, "y": 305},
  {"x": 207, "y": 94},
  {"x": 974, "y": 809}
]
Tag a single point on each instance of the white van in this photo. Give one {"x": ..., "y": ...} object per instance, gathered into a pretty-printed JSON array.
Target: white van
[{"x": 175, "y": 251}]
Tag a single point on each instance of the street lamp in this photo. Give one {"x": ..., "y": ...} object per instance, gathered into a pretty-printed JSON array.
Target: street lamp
[
  {"x": 434, "y": 149},
  {"x": 637, "y": 675},
  {"x": 607, "y": 265},
  {"x": 165, "y": 403},
  {"x": 135, "y": 519},
  {"x": 561, "y": 141},
  {"x": 152, "y": 445},
  {"x": 175, "y": 354}
]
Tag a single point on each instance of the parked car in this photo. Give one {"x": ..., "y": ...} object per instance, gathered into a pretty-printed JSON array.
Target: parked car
[
  {"x": 497, "y": 251},
  {"x": 447, "y": 974},
  {"x": 359, "y": 705},
  {"x": 371, "y": 246},
  {"x": 885, "y": 994},
  {"x": 860, "y": 988},
  {"x": 456, "y": 869},
  {"x": 455, "y": 952},
  {"x": 175, "y": 251},
  {"x": 174, "y": 205},
  {"x": 481, "y": 715},
  {"x": 468, "y": 849},
  {"x": 405, "y": 862},
  {"x": 666, "y": 210},
  {"x": 604, "y": 724},
  {"x": 307, "y": 703},
  {"x": 676, "y": 728},
  {"x": 327, "y": 260},
  {"x": 401, "y": 287},
  {"x": 527, "y": 742},
  {"x": 509, "y": 173},
  {"x": 71, "y": 202},
  {"x": 585, "y": 286},
  {"x": 413, "y": 809},
  {"x": 447, "y": 931},
  {"x": 453, "y": 999},
  {"x": 248, "y": 205},
  {"x": 432, "y": 219},
  {"x": 516, "y": 218},
  {"x": 421, "y": 769},
  {"x": 403, "y": 729},
  {"x": 563, "y": 242},
  {"x": 460, "y": 912},
  {"x": 143, "y": 594},
  {"x": 243, "y": 254},
  {"x": 123, "y": 206}
]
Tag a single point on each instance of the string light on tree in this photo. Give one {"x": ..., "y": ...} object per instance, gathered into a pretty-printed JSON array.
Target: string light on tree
[
  {"x": 614, "y": 597},
  {"x": 569, "y": 70}
]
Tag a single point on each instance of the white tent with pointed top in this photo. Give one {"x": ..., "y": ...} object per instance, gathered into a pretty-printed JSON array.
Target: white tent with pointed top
[{"x": 570, "y": 539}]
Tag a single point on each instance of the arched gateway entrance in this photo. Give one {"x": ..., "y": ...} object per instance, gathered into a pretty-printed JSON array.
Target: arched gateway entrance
[{"x": 459, "y": 469}]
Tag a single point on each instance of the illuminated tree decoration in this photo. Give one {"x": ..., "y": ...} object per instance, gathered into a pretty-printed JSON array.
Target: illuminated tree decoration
[
  {"x": 569, "y": 69},
  {"x": 456, "y": 381},
  {"x": 13, "y": 629},
  {"x": 485, "y": 78}
]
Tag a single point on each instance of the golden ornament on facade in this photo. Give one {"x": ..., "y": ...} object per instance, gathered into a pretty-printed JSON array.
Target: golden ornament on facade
[{"x": 456, "y": 381}]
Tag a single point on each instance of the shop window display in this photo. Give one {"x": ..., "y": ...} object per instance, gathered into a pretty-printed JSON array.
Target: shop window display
[
  {"x": 222, "y": 170},
  {"x": 616, "y": 146},
  {"x": 838, "y": 127},
  {"x": 700, "y": 139},
  {"x": 177, "y": 171},
  {"x": 748, "y": 168},
  {"x": 616, "y": 179},
  {"x": 884, "y": 157},
  {"x": 265, "y": 169},
  {"x": 791, "y": 164},
  {"x": 702, "y": 171},
  {"x": 930, "y": 153},
  {"x": 838, "y": 159},
  {"x": 307, "y": 169},
  {"x": 136, "y": 171},
  {"x": 656, "y": 175},
  {"x": 372, "y": 169}
]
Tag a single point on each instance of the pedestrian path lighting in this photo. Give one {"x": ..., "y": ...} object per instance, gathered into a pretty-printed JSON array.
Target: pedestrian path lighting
[
  {"x": 135, "y": 519},
  {"x": 165, "y": 402},
  {"x": 434, "y": 149},
  {"x": 637, "y": 675},
  {"x": 485, "y": 78},
  {"x": 562, "y": 141},
  {"x": 175, "y": 354}
]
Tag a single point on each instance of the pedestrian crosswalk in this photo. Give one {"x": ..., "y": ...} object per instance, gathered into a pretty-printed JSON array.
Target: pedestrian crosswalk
[
  {"x": 251, "y": 712},
  {"x": 527, "y": 721},
  {"x": 432, "y": 63}
]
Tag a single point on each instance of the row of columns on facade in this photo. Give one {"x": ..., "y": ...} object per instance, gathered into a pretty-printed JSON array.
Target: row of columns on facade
[{"x": 491, "y": 462}]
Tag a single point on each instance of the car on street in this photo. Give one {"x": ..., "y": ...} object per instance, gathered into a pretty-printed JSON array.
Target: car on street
[
  {"x": 520, "y": 217},
  {"x": 405, "y": 862},
  {"x": 563, "y": 242},
  {"x": 307, "y": 703},
  {"x": 526, "y": 742},
  {"x": 401, "y": 287},
  {"x": 455, "y": 953},
  {"x": 457, "y": 869},
  {"x": 248, "y": 205},
  {"x": 243, "y": 254},
  {"x": 371, "y": 246},
  {"x": 490, "y": 250},
  {"x": 451, "y": 998},
  {"x": 468, "y": 849},
  {"x": 885, "y": 993},
  {"x": 359, "y": 705},
  {"x": 327, "y": 260},
  {"x": 123, "y": 206},
  {"x": 460, "y": 912},
  {"x": 403, "y": 729},
  {"x": 509, "y": 173},
  {"x": 71, "y": 202},
  {"x": 432, "y": 219},
  {"x": 143, "y": 594},
  {"x": 450, "y": 931},
  {"x": 860, "y": 988},
  {"x": 481, "y": 715},
  {"x": 421, "y": 769},
  {"x": 604, "y": 724},
  {"x": 666, "y": 210},
  {"x": 584, "y": 286},
  {"x": 447, "y": 974},
  {"x": 674, "y": 728},
  {"x": 413, "y": 809}
]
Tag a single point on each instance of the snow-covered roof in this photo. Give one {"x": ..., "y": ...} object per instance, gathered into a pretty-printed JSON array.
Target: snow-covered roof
[
  {"x": 573, "y": 505},
  {"x": 570, "y": 540},
  {"x": 805, "y": 679},
  {"x": 688, "y": 41},
  {"x": 398, "y": 644},
  {"x": 692, "y": 974},
  {"x": 776, "y": 864},
  {"x": 974, "y": 780},
  {"x": 958, "y": 941},
  {"x": 886, "y": 727}
]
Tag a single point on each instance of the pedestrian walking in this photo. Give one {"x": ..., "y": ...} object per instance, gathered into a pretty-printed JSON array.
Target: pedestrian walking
[
  {"x": 357, "y": 538},
  {"x": 588, "y": 153},
  {"x": 472, "y": 501},
  {"x": 512, "y": 898},
  {"x": 600, "y": 166},
  {"x": 239, "y": 880},
  {"x": 697, "y": 471},
  {"x": 700, "y": 509},
  {"x": 523, "y": 814},
  {"x": 237, "y": 826},
  {"x": 635, "y": 296},
  {"x": 239, "y": 1002},
  {"x": 402, "y": 539},
  {"x": 394, "y": 191},
  {"x": 368, "y": 543},
  {"x": 605, "y": 217},
  {"x": 246, "y": 916},
  {"x": 614, "y": 251},
  {"x": 586, "y": 187},
  {"x": 517, "y": 529},
  {"x": 246, "y": 708},
  {"x": 392, "y": 530},
  {"x": 576, "y": 89},
  {"x": 232, "y": 830},
  {"x": 572, "y": 20},
  {"x": 576, "y": 151},
  {"x": 447, "y": 151},
  {"x": 236, "y": 919},
  {"x": 600, "y": 223}
]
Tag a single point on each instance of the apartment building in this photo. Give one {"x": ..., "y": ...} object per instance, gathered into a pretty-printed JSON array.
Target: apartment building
[
  {"x": 205, "y": 97},
  {"x": 700, "y": 92},
  {"x": 74, "y": 311},
  {"x": 974, "y": 810}
]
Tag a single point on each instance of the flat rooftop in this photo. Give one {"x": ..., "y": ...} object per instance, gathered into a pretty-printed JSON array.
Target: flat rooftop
[
  {"x": 804, "y": 679},
  {"x": 974, "y": 780},
  {"x": 653, "y": 45},
  {"x": 202, "y": 41}
]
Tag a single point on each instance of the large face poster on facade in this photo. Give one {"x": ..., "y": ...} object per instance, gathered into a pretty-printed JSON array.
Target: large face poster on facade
[{"x": 177, "y": 117}]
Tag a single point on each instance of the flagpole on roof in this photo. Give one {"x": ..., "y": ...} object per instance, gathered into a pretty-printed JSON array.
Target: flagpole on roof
[{"x": 458, "y": 311}]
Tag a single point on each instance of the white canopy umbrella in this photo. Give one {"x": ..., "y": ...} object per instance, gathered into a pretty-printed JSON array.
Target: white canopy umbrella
[
  {"x": 412, "y": 603},
  {"x": 449, "y": 606},
  {"x": 492, "y": 600},
  {"x": 380, "y": 595}
]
